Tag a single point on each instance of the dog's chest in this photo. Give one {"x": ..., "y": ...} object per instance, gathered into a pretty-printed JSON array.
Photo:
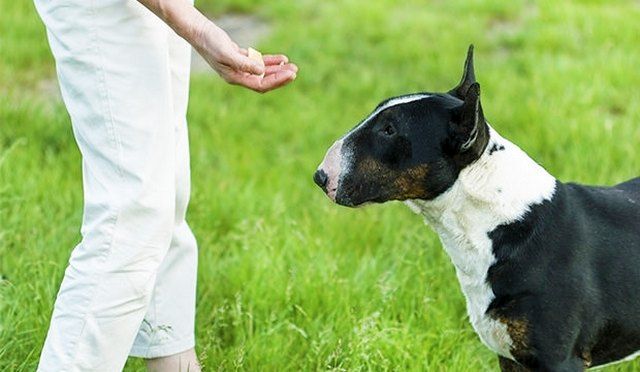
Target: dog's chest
[
  {"x": 465, "y": 238},
  {"x": 471, "y": 252}
]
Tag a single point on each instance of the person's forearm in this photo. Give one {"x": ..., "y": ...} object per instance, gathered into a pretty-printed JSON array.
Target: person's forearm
[
  {"x": 226, "y": 57},
  {"x": 181, "y": 16}
]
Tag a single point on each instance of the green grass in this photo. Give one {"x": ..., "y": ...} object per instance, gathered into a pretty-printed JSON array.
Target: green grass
[{"x": 288, "y": 281}]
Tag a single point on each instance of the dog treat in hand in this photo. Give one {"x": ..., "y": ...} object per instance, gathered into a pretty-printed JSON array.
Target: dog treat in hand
[{"x": 256, "y": 56}]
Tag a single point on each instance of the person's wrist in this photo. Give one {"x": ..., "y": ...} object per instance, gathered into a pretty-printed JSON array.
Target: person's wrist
[
  {"x": 187, "y": 22},
  {"x": 197, "y": 35}
]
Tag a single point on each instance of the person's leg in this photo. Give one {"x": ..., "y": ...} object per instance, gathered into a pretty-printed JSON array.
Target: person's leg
[
  {"x": 185, "y": 361},
  {"x": 168, "y": 328},
  {"x": 113, "y": 67}
]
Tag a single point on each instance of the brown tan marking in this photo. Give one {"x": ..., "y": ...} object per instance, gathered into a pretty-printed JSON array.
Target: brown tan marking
[
  {"x": 411, "y": 183},
  {"x": 518, "y": 330},
  {"x": 406, "y": 184},
  {"x": 508, "y": 365},
  {"x": 585, "y": 355}
]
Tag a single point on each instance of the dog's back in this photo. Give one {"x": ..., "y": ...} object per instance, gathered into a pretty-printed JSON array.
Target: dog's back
[{"x": 632, "y": 186}]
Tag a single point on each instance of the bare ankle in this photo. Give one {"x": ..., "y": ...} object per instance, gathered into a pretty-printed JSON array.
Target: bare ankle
[{"x": 186, "y": 361}]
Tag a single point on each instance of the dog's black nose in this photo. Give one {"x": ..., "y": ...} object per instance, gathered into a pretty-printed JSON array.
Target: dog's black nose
[{"x": 320, "y": 178}]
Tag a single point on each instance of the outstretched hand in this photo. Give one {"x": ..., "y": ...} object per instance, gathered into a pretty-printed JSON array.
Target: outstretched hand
[{"x": 233, "y": 64}]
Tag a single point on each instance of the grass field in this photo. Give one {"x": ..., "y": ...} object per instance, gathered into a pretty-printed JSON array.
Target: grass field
[{"x": 288, "y": 281}]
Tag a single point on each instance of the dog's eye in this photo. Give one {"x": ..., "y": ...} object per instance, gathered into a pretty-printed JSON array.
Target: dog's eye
[{"x": 388, "y": 130}]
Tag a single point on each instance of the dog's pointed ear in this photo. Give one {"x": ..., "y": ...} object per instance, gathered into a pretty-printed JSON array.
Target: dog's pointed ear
[
  {"x": 470, "y": 126},
  {"x": 471, "y": 116},
  {"x": 468, "y": 76}
]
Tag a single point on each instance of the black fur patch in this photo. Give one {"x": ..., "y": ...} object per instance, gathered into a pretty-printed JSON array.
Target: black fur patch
[
  {"x": 570, "y": 268},
  {"x": 495, "y": 148}
]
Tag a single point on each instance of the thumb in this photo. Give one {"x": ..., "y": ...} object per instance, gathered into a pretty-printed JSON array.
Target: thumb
[{"x": 245, "y": 64}]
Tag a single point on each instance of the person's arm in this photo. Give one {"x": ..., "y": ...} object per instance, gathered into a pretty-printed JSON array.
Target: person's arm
[{"x": 217, "y": 48}]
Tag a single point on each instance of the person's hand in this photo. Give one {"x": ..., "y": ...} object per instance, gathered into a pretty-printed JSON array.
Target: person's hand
[{"x": 233, "y": 64}]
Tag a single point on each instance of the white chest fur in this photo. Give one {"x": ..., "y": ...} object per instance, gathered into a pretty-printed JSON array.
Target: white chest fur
[{"x": 498, "y": 188}]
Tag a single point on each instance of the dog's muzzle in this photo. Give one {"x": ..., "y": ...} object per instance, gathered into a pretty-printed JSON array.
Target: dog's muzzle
[
  {"x": 328, "y": 173},
  {"x": 321, "y": 179}
]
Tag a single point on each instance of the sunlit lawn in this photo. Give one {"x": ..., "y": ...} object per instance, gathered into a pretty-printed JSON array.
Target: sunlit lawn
[{"x": 287, "y": 280}]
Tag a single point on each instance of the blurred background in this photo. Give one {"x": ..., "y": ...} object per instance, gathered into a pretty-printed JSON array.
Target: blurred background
[{"x": 288, "y": 281}]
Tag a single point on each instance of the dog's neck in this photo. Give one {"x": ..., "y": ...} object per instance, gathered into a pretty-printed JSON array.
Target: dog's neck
[{"x": 498, "y": 188}]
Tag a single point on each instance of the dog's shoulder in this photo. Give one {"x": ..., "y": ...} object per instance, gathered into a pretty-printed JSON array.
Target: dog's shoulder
[{"x": 577, "y": 226}]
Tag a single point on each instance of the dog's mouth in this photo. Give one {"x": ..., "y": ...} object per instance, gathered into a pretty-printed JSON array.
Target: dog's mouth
[
  {"x": 339, "y": 196},
  {"x": 328, "y": 184},
  {"x": 334, "y": 176},
  {"x": 329, "y": 172},
  {"x": 347, "y": 202}
]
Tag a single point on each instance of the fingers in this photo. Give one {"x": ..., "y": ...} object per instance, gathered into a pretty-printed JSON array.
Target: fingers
[
  {"x": 276, "y": 80},
  {"x": 269, "y": 82},
  {"x": 269, "y": 59},
  {"x": 272, "y": 69},
  {"x": 275, "y": 59},
  {"x": 242, "y": 63},
  {"x": 246, "y": 72}
]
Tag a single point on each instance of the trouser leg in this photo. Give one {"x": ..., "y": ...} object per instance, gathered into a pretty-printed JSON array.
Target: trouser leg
[
  {"x": 168, "y": 326},
  {"x": 112, "y": 59}
]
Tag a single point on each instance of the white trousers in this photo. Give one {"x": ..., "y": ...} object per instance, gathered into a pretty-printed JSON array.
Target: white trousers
[{"x": 129, "y": 288}]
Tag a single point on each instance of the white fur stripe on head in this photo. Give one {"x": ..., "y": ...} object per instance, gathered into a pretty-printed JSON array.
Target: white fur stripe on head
[{"x": 390, "y": 103}]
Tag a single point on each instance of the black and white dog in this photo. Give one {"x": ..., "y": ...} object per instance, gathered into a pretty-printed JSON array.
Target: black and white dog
[{"x": 550, "y": 270}]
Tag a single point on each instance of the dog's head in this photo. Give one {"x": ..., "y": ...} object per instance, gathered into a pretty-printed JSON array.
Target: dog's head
[{"x": 410, "y": 147}]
